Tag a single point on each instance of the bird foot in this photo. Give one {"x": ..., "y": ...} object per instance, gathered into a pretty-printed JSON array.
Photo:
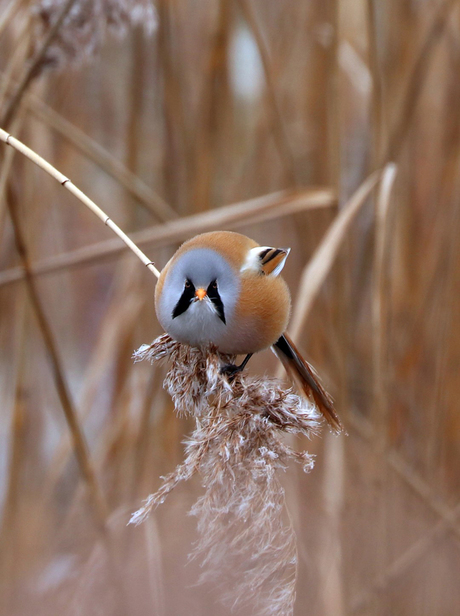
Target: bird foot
[{"x": 230, "y": 371}]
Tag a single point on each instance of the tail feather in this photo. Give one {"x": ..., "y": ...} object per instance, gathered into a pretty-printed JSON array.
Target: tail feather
[{"x": 301, "y": 372}]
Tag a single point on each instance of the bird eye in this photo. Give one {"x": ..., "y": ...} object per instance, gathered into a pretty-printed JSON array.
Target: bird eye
[
  {"x": 187, "y": 284},
  {"x": 214, "y": 284}
]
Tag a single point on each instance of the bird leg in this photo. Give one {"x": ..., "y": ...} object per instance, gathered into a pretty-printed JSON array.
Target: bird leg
[{"x": 231, "y": 370}]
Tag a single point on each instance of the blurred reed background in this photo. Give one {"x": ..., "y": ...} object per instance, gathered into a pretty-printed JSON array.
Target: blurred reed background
[{"x": 176, "y": 112}]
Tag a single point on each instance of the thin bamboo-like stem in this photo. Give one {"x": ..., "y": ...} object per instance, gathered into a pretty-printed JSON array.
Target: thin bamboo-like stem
[
  {"x": 64, "y": 181},
  {"x": 331, "y": 584},
  {"x": 268, "y": 207},
  {"x": 135, "y": 102}
]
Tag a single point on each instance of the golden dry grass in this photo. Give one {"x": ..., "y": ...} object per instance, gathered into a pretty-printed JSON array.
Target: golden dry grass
[{"x": 268, "y": 118}]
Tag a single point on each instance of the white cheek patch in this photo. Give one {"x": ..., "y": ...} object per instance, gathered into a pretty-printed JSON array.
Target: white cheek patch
[{"x": 252, "y": 262}]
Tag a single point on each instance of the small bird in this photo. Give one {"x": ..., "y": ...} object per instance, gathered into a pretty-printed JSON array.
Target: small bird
[{"x": 224, "y": 289}]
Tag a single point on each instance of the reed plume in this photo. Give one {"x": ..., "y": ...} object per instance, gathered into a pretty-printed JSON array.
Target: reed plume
[
  {"x": 246, "y": 545},
  {"x": 86, "y": 26}
]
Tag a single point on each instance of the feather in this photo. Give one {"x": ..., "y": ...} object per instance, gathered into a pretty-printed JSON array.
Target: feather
[
  {"x": 272, "y": 260},
  {"x": 302, "y": 373}
]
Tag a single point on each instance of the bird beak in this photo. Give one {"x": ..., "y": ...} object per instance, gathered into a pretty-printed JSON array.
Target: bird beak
[{"x": 200, "y": 294}]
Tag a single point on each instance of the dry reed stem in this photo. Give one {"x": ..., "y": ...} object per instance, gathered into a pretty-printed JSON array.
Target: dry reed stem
[
  {"x": 81, "y": 451},
  {"x": 449, "y": 522},
  {"x": 332, "y": 573},
  {"x": 99, "y": 507},
  {"x": 410, "y": 477},
  {"x": 122, "y": 313},
  {"x": 377, "y": 103},
  {"x": 177, "y": 141},
  {"x": 136, "y": 85},
  {"x": 379, "y": 412},
  {"x": 246, "y": 548},
  {"x": 280, "y": 132},
  {"x": 9, "y": 14},
  {"x": 16, "y": 61},
  {"x": 213, "y": 107},
  {"x": 4, "y": 175},
  {"x": 321, "y": 262},
  {"x": 447, "y": 295},
  {"x": 30, "y": 71},
  {"x": 9, "y": 535},
  {"x": 267, "y": 207},
  {"x": 404, "y": 562},
  {"x": 417, "y": 81},
  {"x": 378, "y": 295},
  {"x": 64, "y": 181},
  {"x": 154, "y": 562},
  {"x": 143, "y": 432},
  {"x": 330, "y": 558},
  {"x": 102, "y": 158}
]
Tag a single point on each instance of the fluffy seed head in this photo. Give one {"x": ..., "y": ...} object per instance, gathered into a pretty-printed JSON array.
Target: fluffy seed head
[{"x": 246, "y": 547}]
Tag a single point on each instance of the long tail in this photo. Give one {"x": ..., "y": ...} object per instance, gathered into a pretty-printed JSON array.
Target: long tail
[{"x": 304, "y": 375}]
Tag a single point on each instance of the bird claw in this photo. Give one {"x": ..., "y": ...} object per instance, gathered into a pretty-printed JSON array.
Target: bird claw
[{"x": 230, "y": 371}]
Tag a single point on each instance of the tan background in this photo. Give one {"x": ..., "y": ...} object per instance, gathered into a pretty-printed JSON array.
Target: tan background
[{"x": 227, "y": 101}]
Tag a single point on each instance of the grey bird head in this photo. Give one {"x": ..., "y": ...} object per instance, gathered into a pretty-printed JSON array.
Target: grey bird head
[{"x": 198, "y": 299}]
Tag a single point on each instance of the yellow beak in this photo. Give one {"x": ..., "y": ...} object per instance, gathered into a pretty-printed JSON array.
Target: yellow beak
[{"x": 200, "y": 293}]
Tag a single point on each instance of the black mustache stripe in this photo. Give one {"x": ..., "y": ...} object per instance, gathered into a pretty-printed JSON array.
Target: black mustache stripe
[
  {"x": 214, "y": 296},
  {"x": 185, "y": 299},
  {"x": 188, "y": 295}
]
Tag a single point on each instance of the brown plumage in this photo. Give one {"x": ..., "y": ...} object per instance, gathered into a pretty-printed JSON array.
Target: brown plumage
[{"x": 223, "y": 289}]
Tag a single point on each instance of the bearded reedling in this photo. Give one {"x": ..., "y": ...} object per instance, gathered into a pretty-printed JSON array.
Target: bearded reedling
[{"x": 223, "y": 289}]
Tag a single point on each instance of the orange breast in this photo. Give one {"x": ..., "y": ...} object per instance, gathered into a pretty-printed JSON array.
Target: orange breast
[
  {"x": 263, "y": 307},
  {"x": 262, "y": 312}
]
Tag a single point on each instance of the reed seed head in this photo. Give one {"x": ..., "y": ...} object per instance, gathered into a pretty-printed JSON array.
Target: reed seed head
[
  {"x": 246, "y": 546},
  {"x": 85, "y": 27}
]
